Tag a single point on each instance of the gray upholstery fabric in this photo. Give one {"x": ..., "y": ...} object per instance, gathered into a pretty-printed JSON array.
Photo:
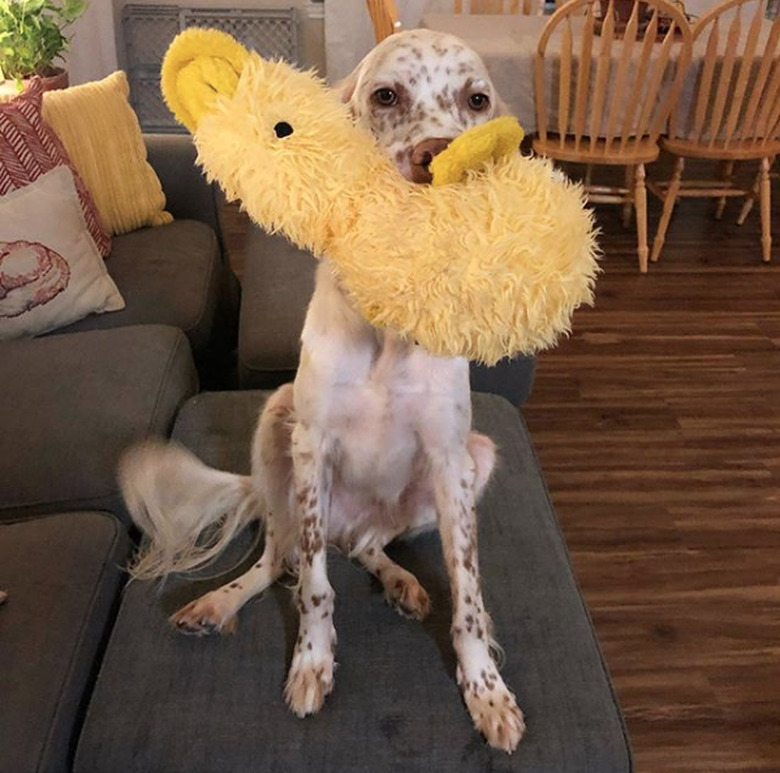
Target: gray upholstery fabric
[
  {"x": 278, "y": 282},
  {"x": 187, "y": 194},
  {"x": 165, "y": 702},
  {"x": 169, "y": 275},
  {"x": 63, "y": 582},
  {"x": 72, "y": 403}
]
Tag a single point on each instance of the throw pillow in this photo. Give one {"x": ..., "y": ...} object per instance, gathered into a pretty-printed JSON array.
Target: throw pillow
[
  {"x": 29, "y": 149},
  {"x": 51, "y": 273},
  {"x": 101, "y": 133}
]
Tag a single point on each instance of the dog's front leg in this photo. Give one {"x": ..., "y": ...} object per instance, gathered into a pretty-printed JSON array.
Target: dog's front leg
[
  {"x": 311, "y": 673},
  {"x": 490, "y": 702}
]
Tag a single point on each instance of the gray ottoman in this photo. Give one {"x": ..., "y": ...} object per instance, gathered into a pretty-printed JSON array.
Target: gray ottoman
[
  {"x": 62, "y": 577},
  {"x": 166, "y": 703}
]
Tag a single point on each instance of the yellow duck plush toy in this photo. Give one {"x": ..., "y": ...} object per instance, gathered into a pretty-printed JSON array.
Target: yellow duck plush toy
[{"x": 490, "y": 261}]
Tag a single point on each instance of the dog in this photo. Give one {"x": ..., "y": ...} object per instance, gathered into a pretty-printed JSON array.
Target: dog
[{"x": 371, "y": 442}]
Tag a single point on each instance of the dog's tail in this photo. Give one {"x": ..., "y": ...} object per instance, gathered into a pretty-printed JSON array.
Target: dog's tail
[{"x": 188, "y": 511}]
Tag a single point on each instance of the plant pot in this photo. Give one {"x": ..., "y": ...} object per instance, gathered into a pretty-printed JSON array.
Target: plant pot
[{"x": 54, "y": 78}]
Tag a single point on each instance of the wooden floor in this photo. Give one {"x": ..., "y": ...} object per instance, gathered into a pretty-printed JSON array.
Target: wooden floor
[{"x": 658, "y": 428}]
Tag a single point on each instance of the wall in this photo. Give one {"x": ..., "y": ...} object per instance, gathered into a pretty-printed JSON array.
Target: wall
[{"x": 92, "y": 52}]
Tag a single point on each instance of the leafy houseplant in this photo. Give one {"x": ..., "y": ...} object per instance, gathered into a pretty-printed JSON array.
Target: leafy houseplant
[{"x": 32, "y": 37}]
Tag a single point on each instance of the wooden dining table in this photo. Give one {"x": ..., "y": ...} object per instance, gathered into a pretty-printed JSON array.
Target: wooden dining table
[{"x": 508, "y": 45}]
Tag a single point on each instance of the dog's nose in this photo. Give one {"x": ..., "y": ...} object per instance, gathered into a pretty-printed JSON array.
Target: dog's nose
[{"x": 422, "y": 154}]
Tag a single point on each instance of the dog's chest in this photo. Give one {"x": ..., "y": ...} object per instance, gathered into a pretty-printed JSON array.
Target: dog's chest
[
  {"x": 374, "y": 425},
  {"x": 372, "y": 397}
]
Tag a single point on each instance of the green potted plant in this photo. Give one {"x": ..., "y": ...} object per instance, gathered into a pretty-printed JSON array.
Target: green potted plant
[{"x": 32, "y": 38}]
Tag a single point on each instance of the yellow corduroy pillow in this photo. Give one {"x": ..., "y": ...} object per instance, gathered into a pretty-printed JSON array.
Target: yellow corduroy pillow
[{"x": 101, "y": 133}]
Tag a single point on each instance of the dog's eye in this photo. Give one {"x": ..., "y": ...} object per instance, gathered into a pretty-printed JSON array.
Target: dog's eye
[
  {"x": 283, "y": 129},
  {"x": 478, "y": 101},
  {"x": 385, "y": 97}
]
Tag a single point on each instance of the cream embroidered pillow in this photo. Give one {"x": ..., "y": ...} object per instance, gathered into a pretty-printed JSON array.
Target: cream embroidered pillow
[
  {"x": 51, "y": 273},
  {"x": 101, "y": 133}
]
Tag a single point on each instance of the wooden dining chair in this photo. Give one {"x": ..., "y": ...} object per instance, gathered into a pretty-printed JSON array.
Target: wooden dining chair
[
  {"x": 604, "y": 92},
  {"x": 526, "y": 7},
  {"x": 734, "y": 114},
  {"x": 384, "y": 17}
]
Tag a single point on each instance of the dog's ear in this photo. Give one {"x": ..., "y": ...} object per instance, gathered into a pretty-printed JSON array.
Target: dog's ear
[
  {"x": 345, "y": 88},
  {"x": 199, "y": 66}
]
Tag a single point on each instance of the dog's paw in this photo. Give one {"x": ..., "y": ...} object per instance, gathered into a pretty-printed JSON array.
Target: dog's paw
[
  {"x": 211, "y": 613},
  {"x": 408, "y": 597},
  {"x": 495, "y": 712},
  {"x": 309, "y": 682}
]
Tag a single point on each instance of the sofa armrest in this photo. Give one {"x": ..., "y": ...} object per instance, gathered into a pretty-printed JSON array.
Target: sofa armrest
[{"x": 188, "y": 195}]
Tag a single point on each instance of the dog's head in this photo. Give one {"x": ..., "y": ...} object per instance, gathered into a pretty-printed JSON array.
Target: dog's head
[{"x": 418, "y": 90}]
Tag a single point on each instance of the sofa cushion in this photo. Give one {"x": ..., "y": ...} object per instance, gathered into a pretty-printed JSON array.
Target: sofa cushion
[
  {"x": 62, "y": 578},
  {"x": 278, "y": 282},
  {"x": 166, "y": 702},
  {"x": 72, "y": 403},
  {"x": 170, "y": 275}
]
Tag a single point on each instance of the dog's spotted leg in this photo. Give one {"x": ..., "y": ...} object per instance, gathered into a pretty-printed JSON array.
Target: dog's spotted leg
[
  {"x": 491, "y": 704},
  {"x": 402, "y": 589},
  {"x": 311, "y": 673},
  {"x": 215, "y": 612}
]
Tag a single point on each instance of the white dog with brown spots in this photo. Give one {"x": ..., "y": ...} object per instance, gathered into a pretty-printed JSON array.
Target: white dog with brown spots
[{"x": 372, "y": 441}]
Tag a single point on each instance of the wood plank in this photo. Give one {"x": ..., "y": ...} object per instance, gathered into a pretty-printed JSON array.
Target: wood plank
[{"x": 657, "y": 424}]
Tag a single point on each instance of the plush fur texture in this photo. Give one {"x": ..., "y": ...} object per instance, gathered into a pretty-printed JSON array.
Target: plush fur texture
[{"x": 486, "y": 268}]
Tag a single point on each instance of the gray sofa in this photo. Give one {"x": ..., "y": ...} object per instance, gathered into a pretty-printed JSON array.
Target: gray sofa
[
  {"x": 92, "y": 678},
  {"x": 71, "y": 401}
]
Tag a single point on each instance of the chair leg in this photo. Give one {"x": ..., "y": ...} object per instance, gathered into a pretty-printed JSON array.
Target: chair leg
[
  {"x": 728, "y": 171},
  {"x": 750, "y": 200},
  {"x": 627, "y": 205},
  {"x": 670, "y": 199},
  {"x": 766, "y": 213},
  {"x": 640, "y": 204}
]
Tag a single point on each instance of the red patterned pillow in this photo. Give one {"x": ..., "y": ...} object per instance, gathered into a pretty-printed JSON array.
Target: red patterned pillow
[{"x": 29, "y": 149}]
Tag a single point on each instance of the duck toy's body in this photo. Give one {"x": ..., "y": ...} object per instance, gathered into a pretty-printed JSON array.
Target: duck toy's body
[{"x": 489, "y": 261}]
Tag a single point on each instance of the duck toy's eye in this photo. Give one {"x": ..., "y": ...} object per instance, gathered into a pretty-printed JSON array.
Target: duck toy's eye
[{"x": 283, "y": 129}]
